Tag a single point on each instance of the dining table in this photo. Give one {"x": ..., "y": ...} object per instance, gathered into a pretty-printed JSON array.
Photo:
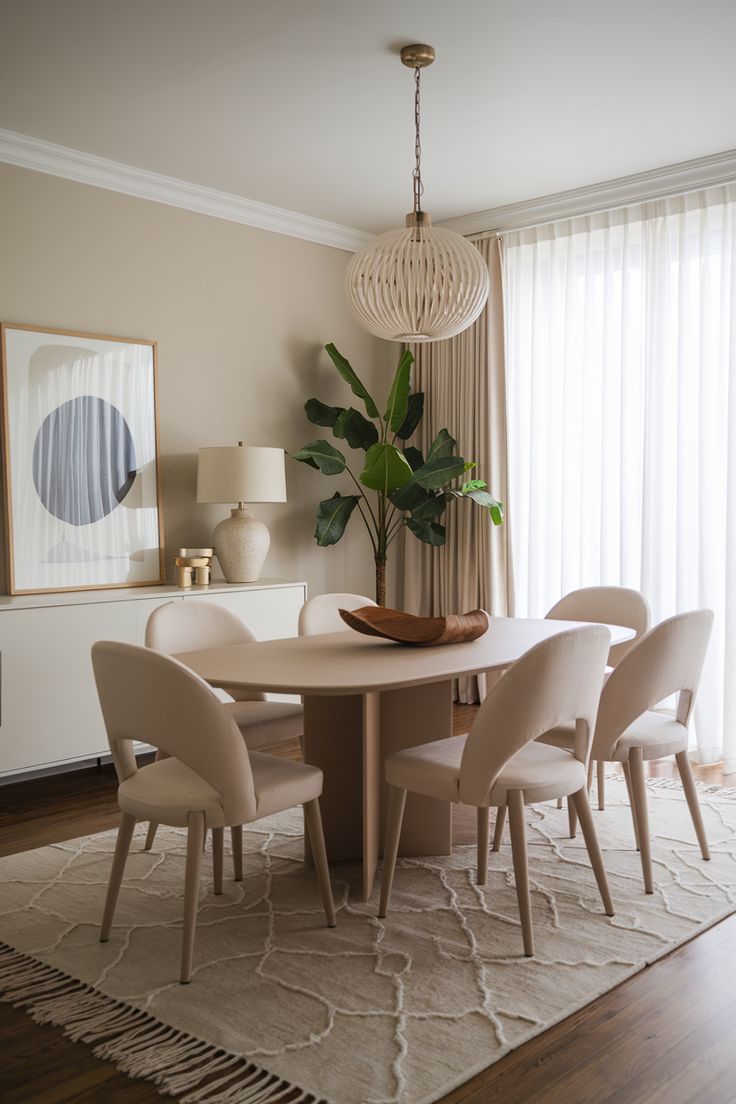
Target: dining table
[{"x": 364, "y": 698}]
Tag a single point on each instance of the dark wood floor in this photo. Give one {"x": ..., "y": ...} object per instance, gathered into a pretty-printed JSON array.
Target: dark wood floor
[{"x": 665, "y": 1036}]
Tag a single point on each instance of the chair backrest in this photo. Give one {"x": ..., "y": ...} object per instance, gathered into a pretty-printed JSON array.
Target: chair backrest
[
  {"x": 148, "y": 696},
  {"x": 608, "y": 605},
  {"x": 195, "y": 624},
  {"x": 319, "y": 615},
  {"x": 555, "y": 682},
  {"x": 667, "y": 660}
]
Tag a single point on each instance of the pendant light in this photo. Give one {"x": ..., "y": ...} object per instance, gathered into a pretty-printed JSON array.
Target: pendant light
[{"x": 419, "y": 283}]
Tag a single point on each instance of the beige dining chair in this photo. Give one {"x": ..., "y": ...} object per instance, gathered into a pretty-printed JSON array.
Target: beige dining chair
[
  {"x": 196, "y": 625},
  {"x": 500, "y": 764},
  {"x": 629, "y": 730},
  {"x": 608, "y": 605},
  {"x": 207, "y": 779},
  {"x": 320, "y": 614}
]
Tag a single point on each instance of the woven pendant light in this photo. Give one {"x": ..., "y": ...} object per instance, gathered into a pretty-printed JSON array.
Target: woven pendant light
[{"x": 420, "y": 283}]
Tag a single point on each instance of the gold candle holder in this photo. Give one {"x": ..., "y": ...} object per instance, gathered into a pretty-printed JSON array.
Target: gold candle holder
[{"x": 193, "y": 567}]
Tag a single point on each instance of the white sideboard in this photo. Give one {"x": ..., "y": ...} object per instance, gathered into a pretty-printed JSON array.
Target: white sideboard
[{"x": 49, "y": 713}]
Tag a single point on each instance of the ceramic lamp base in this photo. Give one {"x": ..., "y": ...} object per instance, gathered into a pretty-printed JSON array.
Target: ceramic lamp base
[{"x": 241, "y": 545}]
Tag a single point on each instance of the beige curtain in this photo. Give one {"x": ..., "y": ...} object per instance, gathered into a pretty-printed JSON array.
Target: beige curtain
[{"x": 464, "y": 383}]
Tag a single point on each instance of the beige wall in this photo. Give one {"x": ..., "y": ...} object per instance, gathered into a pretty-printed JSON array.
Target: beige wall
[{"x": 240, "y": 316}]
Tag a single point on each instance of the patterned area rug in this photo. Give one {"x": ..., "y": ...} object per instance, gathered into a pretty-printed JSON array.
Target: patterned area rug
[{"x": 281, "y": 1008}]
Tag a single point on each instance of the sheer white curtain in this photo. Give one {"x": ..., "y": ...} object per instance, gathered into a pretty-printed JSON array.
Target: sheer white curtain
[{"x": 621, "y": 379}]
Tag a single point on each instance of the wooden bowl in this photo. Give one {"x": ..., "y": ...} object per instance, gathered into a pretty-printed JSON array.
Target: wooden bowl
[{"x": 422, "y": 632}]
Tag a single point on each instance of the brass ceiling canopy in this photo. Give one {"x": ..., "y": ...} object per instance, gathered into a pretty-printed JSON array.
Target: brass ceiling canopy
[{"x": 418, "y": 55}]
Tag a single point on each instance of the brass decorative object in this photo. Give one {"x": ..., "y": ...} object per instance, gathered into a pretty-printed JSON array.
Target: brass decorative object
[{"x": 193, "y": 567}]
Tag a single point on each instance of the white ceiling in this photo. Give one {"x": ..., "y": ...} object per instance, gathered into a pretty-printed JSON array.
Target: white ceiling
[{"x": 305, "y": 105}]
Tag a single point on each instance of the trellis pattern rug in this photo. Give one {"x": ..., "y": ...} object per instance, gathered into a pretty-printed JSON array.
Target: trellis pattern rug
[{"x": 282, "y": 1009}]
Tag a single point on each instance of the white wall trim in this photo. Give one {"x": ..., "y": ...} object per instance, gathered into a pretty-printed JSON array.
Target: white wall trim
[
  {"x": 687, "y": 176},
  {"x": 86, "y": 168}
]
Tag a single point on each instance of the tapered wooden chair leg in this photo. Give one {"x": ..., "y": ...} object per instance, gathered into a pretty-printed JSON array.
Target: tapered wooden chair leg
[
  {"x": 313, "y": 821},
  {"x": 572, "y": 818},
  {"x": 195, "y": 836},
  {"x": 150, "y": 835},
  {"x": 601, "y": 784},
  {"x": 587, "y": 827},
  {"x": 498, "y": 829},
  {"x": 236, "y": 837},
  {"x": 517, "y": 828},
  {"x": 639, "y": 792},
  {"x": 590, "y": 778},
  {"x": 632, "y": 804},
  {"x": 218, "y": 847},
  {"x": 483, "y": 844},
  {"x": 394, "y": 820},
  {"x": 122, "y": 847},
  {"x": 691, "y": 796},
  {"x": 559, "y": 802}
]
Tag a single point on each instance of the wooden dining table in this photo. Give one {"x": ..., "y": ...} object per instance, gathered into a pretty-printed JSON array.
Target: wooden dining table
[{"x": 364, "y": 698}]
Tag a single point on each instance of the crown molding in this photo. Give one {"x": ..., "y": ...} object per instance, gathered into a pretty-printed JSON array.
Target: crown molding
[
  {"x": 687, "y": 176},
  {"x": 86, "y": 168}
]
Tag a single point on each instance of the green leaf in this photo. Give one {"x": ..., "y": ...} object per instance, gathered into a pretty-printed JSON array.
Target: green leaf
[
  {"x": 385, "y": 469},
  {"x": 414, "y": 411},
  {"x": 322, "y": 415},
  {"x": 427, "y": 531},
  {"x": 439, "y": 471},
  {"x": 473, "y": 485},
  {"x": 486, "y": 500},
  {"x": 398, "y": 399},
  {"x": 443, "y": 445},
  {"x": 432, "y": 508},
  {"x": 333, "y": 514},
  {"x": 414, "y": 456},
  {"x": 409, "y": 496},
  {"x": 323, "y": 456},
  {"x": 347, "y": 373},
  {"x": 359, "y": 432}
]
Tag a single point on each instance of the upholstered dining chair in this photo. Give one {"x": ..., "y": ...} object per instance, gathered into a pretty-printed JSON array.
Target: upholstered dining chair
[
  {"x": 629, "y": 730},
  {"x": 608, "y": 605},
  {"x": 500, "y": 763},
  {"x": 194, "y": 625},
  {"x": 320, "y": 614},
  {"x": 207, "y": 779}
]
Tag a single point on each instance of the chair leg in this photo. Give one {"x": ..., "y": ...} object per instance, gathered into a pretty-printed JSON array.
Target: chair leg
[
  {"x": 394, "y": 820},
  {"x": 195, "y": 836},
  {"x": 517, "y": 828},
  {"x": 627, "y": 777},
  {"x": 639, "y": 793},
  {"x": 691, "y": 796},
  {"x": 122, "y": 847},
  {"x": 236, "y": 836},
  {"x": 559, "y": 802},
  {"x": 150, "y": 835},
  {"x": 572, "y": 818},
  {"x": 601, "y": 785},
  {"x": 587, "y": 826},
  {"x": 218, "y": 842},
  {"x": 590, "y": 778},
  {"x": 498, "y": 830},
  {"x": 313, "y": 821},
  {"x": 483, "y": 844}
]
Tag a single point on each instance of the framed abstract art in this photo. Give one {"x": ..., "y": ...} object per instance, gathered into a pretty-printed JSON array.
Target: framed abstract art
[{"x": 81, "y": 467}]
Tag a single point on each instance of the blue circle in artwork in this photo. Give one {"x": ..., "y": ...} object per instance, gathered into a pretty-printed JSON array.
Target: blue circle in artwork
[{"x": 83, "y": 460}]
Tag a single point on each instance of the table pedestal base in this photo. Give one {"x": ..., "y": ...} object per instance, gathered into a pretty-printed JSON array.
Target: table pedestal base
[{"x": 349, "y": 739}]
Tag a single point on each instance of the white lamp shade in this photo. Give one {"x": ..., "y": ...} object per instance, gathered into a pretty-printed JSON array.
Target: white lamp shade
[{"x": 241, "y": 473}]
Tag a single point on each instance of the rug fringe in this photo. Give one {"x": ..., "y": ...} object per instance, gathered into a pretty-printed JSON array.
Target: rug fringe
[{"x": 137, "y": 1043}]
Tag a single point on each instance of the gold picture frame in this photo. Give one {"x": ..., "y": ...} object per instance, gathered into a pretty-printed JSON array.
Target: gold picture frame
[{"x": 81, "y": 460}]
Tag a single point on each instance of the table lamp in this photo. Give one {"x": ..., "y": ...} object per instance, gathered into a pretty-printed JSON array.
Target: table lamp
[{"x": 242, "y": 473}]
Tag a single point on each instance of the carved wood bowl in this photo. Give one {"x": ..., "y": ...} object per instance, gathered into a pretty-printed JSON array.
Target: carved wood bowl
[{"x": 422, "y": 632}]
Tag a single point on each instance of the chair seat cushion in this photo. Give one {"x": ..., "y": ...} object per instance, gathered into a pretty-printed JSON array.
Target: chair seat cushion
[
  {"x": 656, "y": 732},
  {"x": 434, "y": 770},
  {"x": 267, "y": 722},
  {"x": 282, "y": 783},
  {"x": 166, "y": 792}
]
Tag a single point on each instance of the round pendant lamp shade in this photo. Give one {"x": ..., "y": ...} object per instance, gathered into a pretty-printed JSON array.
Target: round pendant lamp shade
[{"x": 417, "y": 284}]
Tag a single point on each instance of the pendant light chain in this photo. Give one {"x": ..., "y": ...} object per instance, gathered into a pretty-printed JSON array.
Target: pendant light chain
[{"x": 417, "y": 174}]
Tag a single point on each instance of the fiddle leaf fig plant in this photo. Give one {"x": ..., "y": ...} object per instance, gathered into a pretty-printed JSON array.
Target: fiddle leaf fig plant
[{"x": 396, "y": 486}]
